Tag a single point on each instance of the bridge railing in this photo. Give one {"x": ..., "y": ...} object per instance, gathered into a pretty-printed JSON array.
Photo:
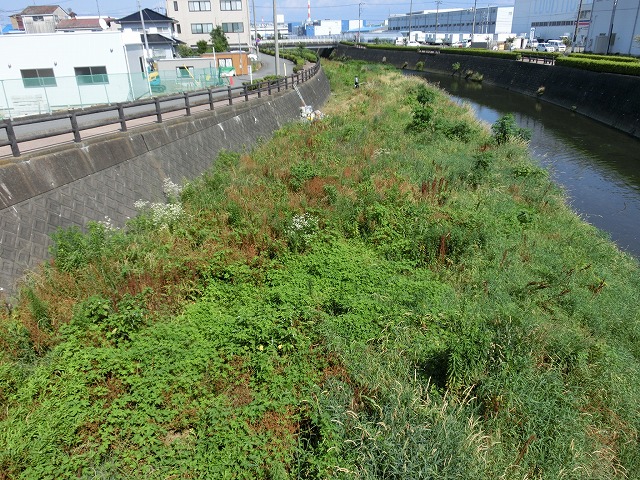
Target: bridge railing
[{"x": 76, "y": 125}]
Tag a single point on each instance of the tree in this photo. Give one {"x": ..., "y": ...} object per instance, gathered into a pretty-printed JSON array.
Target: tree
[
  {"x": 185, "y": 51},
  {"x": 202, "y": 46},
  {"x": 219, "y": 40}
]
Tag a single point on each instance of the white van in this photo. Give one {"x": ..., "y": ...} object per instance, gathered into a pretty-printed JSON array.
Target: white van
[{"x": 558, "y": 45}]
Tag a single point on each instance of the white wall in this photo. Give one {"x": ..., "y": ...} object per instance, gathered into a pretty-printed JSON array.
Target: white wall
[
  {"x": 62, "y": 52},
  {"x": 626, "y": 25},
  {"x": 527, "y": 12}
]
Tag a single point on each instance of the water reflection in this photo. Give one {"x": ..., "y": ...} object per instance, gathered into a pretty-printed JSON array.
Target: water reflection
[{"x": 598, "y": 167}]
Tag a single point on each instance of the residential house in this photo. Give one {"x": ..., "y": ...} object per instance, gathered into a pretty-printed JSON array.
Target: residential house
[
  {"x": 84, "y": 24},
  {"x": 40, "y": 18},
  {"x": 160, "y": 34},
  {"x": 196, "y": 19}
]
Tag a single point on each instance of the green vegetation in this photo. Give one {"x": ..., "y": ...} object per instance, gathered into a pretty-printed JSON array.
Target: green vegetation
[
  {"x": 611, "y": 65},
  {"x": 394, "y": 291},
  {"x": 481, "y": 52},
  {"x": 219, "y": 39},
  {"x": 610, "y": 58},
  {"x": 300, "y": 56}
]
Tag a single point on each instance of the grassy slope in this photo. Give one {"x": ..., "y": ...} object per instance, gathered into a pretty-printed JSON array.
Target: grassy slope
[{"x": 354, "y": 298}]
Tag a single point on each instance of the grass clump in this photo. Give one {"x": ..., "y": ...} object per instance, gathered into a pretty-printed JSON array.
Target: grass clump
[{"x": 377, "y": 294}]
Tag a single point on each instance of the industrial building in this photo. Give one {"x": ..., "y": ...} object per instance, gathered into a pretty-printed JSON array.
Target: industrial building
[
  {"x": 603, "y": 26},
  {"x": 488, "y": 20},
  {"x": 546, "y": 20},
  {"x": 614, "y": 27}
]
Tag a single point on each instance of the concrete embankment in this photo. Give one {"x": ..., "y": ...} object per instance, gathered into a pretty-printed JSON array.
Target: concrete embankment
[
  {"x": 609, "y": 98},
  {"x": 103, "y": 177}
]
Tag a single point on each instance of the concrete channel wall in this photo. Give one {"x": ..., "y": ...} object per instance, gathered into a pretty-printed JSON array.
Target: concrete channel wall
[
  {"x": 609, "y": 98},
  {"x": 103, "y": 177}
]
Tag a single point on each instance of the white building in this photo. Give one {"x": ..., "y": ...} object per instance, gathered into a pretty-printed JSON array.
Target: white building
[
  {"x": 547, "y": 20},
  {"x": 615, "y": 27},
  {"x": 489, "y": 20},
  {"x": 42, "y": 73},
  {"x": 196, "y": 19},
  {"x": 265, "y": 30},
  {"x": 324, "y": 27}
]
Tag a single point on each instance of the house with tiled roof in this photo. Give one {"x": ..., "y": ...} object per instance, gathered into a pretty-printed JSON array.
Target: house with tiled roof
[
  {"x": 92, "y": 24},
  {"x": 159, "y": 32},
  {"x": 42, "y": 18}
]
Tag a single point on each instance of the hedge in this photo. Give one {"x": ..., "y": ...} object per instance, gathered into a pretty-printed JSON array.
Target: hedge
[
  {"x": 611, "y": 58},
  {"x": 479, "y": 52},
  {"x": 607, "y": 66}
]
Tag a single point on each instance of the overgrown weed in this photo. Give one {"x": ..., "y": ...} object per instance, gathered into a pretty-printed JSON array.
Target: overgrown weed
[{"x": 367, "y": 295}]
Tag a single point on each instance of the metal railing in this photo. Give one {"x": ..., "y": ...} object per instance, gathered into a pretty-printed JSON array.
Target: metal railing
[{"x": 76, "y": 122}]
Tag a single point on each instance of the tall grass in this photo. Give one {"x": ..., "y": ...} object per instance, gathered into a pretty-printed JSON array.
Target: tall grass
[{"x": 391, "y": 292}]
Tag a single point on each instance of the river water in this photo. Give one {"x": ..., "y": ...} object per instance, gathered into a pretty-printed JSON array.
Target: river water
[{"x": 597, "y": 166}]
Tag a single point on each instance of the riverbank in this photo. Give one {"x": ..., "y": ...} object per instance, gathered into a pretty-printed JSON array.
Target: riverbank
[
  {"x": 608, "y": 98},
  {"x": 390, "y": 292}
]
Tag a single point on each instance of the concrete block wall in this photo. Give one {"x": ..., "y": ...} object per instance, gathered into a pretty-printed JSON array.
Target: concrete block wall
[
  {"x": 76, "y": 184},
  {"x": 609, "y": 98}
]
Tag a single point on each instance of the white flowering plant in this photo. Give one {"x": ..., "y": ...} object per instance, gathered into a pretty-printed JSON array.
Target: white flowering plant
[{"x": 302, "y": 229}]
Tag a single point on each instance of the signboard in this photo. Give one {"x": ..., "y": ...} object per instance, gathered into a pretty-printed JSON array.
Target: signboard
[{"x": 532, "y": 34}]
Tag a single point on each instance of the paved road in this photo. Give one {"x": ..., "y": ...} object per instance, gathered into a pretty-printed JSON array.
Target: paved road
[{"x": 267, "y": 68}]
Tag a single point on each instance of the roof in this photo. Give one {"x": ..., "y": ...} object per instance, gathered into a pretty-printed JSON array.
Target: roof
[
  {"x": 41, "y": 10},
  {"x": 147, "y": 15},
  {"x": 79, "y": 24},
  {"x": 156, "y": 38}
]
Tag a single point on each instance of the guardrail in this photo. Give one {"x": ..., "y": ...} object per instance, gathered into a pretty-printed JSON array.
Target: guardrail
[
  {"x": 535, "y": 58},
  {"x": 76, "y": 122}
]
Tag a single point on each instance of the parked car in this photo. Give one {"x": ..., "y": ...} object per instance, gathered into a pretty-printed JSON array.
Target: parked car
[
  {"x": 545, "y": 47},
  {"x": 558, "y": 45},
  {"x": 533, "y": 44}
]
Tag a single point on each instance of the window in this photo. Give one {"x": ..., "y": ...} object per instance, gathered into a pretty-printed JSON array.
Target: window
[
  {"x": 225, "y": 62},
  {"x": 178, "y": 29},
  {"x": 201, "y": 27},
  {"x": 199, "y": 6},
  {"x": 91, "y": 75},
  {"x": 230, "y": 5},
  {"x": 234, "y": 27},
  {"x": 184, "y": 72},
  {"x": 175, "y": 6},
  {"x": 38, "y": 18},
  {"x": 41, "y": 77}
]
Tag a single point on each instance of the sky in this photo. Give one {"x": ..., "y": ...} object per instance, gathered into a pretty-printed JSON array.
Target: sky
[{"x": 293, "y": 10}]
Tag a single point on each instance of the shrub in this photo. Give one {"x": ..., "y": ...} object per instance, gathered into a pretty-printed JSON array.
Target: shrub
[
  {"x": 606, "y": 66},
  {"x": 506, "y": 128}
]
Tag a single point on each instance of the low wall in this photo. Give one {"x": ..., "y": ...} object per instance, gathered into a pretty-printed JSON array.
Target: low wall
[
  {"x": 102, "y": 178},
  {"x": 609, "y": 98}
]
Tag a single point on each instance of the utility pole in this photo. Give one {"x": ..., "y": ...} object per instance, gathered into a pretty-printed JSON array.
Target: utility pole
[
  {"x": 255, "y": 30},
  {"x": 410, "y": 14},
  {"x": 275, "y": 36},
  {"x": 473, "y": 25},
  {"x": 613, "y": 17},
  {"x": 359, "y": 14},
  {"x": 146, "y": 50},
  {"x": 575, "y": 30},
  {"x": 438, "y": 2},
  {"x": 144, "y": 32}
]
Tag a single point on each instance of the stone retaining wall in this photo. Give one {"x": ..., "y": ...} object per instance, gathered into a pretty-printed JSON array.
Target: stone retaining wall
[
  {"x": 103, "y": 177},
  {"x": 609, "y": 98}
]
